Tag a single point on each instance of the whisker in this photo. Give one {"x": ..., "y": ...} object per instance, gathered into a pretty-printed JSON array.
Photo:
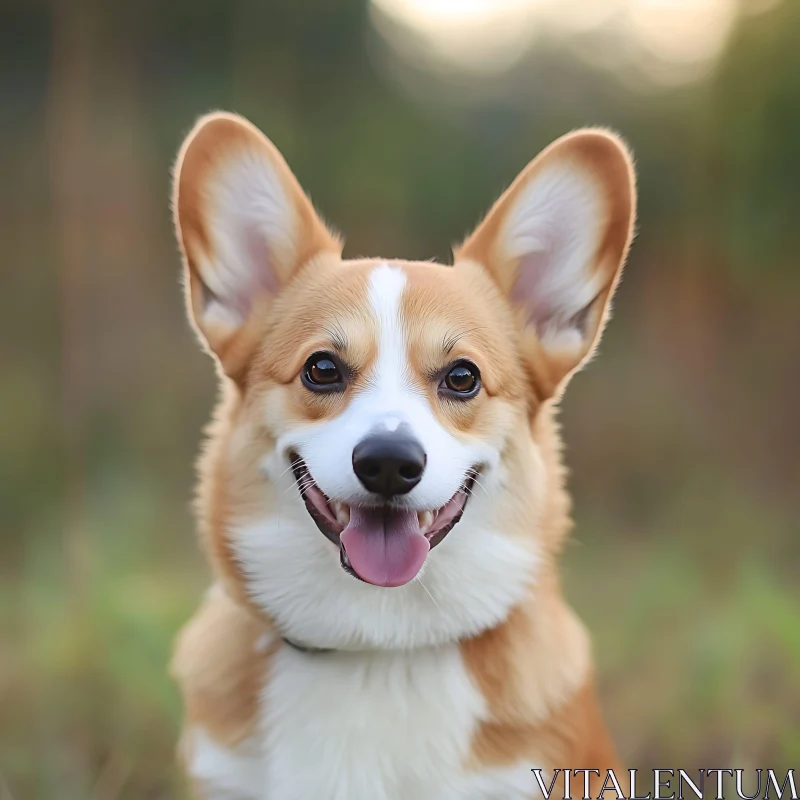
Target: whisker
[
  {"x": 290, "y": 467},
  {"x": 475, "y": 476},
  {"x": 452, "y": 338},
  {"x": 477, "y": 483},
  {"x": 469, "y": 490},
  {"x": 427, "y": 592},
  {"x": 337, "y": 335},
  {"x": 303, "y": 485}
]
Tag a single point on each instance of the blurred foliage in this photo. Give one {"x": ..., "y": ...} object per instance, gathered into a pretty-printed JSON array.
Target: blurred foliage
[{"x": 683, "y": 441}]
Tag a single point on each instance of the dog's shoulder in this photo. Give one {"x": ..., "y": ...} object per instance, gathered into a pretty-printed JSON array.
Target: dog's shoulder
[
  {"x": 220, "y": 663},
  {"x": 535, "y": 673}
]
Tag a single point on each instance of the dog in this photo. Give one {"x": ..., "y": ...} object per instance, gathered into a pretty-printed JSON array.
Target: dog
[{"x": 381, "y": 494}]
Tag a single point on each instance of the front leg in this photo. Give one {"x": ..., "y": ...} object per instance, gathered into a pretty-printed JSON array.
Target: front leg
[
  {"x": 220, "y": 663},
  {"x": 220, "y": 772}
]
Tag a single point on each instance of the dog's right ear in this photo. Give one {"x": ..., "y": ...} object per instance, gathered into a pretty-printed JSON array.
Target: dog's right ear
[
  {"x": 244, "y": 226},
  {"x": 555, "y": 244}
]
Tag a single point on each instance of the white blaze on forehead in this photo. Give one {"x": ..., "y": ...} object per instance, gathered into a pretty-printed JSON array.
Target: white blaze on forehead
[
  {"x": 392, "y": 373},
  {"x": 388, "y": 401}
]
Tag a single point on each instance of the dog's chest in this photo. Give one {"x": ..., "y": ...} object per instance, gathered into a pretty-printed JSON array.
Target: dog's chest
[{"x": 373, "y": 727}]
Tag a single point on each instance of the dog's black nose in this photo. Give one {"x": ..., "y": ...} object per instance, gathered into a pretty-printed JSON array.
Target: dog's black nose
[{"x": 389, "y": 463}]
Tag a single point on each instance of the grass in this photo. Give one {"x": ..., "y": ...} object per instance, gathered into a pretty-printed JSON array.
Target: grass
[{"x": 696, "y": 632}]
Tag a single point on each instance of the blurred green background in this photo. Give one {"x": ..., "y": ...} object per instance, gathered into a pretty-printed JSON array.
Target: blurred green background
[{"x": 403, "y": 119}]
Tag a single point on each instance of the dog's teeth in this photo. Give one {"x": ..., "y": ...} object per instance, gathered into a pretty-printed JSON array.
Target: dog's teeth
[
  {"x": 425, "y": 520},
  {"x": 342, "y": 511}
]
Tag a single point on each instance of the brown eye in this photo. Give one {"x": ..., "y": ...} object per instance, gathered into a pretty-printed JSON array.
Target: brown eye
[
  {"x": 463, "y": 380},
  {"x": 322, "y": 373}
]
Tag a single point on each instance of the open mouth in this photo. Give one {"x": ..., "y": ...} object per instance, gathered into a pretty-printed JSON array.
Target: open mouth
[{"x": 385, "y": 545}]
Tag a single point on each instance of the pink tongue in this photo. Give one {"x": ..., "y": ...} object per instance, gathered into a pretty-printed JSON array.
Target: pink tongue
[{"x": 385, "y": 547}]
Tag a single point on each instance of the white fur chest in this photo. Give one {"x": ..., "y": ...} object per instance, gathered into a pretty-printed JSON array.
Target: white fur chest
[{"x": 355, "y": 726}]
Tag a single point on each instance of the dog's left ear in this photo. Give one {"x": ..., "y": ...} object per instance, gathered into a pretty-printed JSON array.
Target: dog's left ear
[
  {"x": 555, "y": 244},
  {"x": 245, "y": 227}
]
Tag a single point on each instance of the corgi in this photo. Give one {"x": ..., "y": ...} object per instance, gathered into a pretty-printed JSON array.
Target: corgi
[{"x": 381, "y": 495}]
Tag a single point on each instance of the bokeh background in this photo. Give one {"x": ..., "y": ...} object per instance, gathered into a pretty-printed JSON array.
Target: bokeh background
[{"x": 403, "y": 119}]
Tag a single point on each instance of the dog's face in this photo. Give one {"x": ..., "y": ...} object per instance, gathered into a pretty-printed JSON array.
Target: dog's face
[{"x": 378, "y": 432}]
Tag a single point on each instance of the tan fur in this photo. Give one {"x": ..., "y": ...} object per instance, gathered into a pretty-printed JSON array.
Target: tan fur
[
  {"x": 571, "y": 737},
  {"x": 534, "y": 669},
  {"x": 220, "y": 662}
]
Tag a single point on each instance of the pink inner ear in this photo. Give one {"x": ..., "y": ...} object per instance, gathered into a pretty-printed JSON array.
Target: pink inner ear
[
  {"x": 553, "y": 229},
  {"x": 259, "y": 269},
  {"x": 532, "y": 287}
]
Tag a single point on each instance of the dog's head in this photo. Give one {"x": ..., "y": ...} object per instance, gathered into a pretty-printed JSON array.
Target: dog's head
[{"x": 378, "y": 426}]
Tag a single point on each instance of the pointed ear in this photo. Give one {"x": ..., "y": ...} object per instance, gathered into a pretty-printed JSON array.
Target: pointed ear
[
  {"x": 244, "y": 227},
  {"x": 555, "y": 244}
]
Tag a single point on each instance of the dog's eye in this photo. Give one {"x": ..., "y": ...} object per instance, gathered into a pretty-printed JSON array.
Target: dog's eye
[
  {"x": 322, "y": 373},
  {"x": 462, "y": 380}
]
